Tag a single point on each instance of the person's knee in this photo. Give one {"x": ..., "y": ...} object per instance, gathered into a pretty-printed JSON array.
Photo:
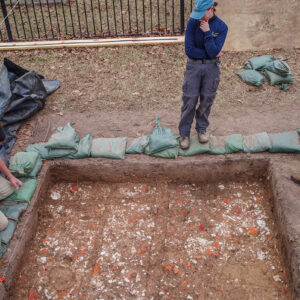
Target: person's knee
[{"x": 3, "y": 221}]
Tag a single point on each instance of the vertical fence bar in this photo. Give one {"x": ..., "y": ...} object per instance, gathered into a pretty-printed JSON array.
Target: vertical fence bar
[
  {"x": 158, "y": 17},
  {"x": 181, "y": 16},
  {"x": 64, "y": 16},
  {"x": 21, "y": 16},
  {"x": 57, "y": 20},
  {"x": 136, "y": 18},
  {"x": 86, "y": 21},
  {"x": 100, "y": 17},
  {"x": 44, "y": 25},
  {"x": 14, "y": 17},
  {"x": 35, "y": 18},
  {"x": 29, "y": 22},
  {"x": 107, "y": 17},
  {"x": 77, "y": 8},
  {"x": 151, "y": 22},
  {"x": 166, "y": 21},
  {"x": 173, "y": 16},
  {"x": 115, "y": 19},
  {"x": 1, "y": 37},
  {"x": 122, "y": 20},
  {"x": 128, "y": 5},
  {"x": 92, "y": 8},
  {"x": 7, "y": 24},
  {"x": 144, "y": 20},
  {"x": 71, "y": 15},
  {"x": 50, "y": 19}
]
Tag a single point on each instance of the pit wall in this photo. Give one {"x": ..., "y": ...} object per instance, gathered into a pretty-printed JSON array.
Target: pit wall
[
  {"x": 200, "y": 172},
  {"x": 264, "y": 24}
]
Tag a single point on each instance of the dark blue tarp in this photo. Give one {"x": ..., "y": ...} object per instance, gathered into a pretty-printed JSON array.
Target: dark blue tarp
[{"x": 22, "y": 94}]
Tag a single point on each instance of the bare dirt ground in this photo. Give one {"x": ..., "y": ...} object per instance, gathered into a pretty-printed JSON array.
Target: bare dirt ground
[
  {"x": 118, "y": 92},
  {"x": 154, "y": 241}
]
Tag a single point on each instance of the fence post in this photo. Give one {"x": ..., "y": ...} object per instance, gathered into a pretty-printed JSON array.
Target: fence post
[
  {"x": 4, "y": 11},
  {"x": 181, "y": 16}
]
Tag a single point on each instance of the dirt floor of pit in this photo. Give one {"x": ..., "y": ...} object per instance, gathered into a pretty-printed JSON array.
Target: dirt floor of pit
[{"x": 154, "y": 241}]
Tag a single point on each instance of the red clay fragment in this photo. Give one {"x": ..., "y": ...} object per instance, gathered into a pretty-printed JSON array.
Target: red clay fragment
[
  {"x": 32, "y": 295},
  {"x": 169, "y": 267},
  {"x": 201, "y": 227},
  {"x": 216, "y": 245},
  {"x": 96, "y": 269},
  {"x": 253, "y": 230},
  {"x": 227, "y": 201}
]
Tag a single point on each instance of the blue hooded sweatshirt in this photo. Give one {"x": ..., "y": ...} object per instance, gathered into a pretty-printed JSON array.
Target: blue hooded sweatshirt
[{"x": 205, "y": 45}]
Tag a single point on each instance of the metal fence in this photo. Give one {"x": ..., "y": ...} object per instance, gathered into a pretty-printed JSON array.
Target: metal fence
[{"x": 67, "y": 19}]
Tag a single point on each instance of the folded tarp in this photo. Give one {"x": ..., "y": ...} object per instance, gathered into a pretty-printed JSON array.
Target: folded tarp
[{"x": 22, "y": 94}]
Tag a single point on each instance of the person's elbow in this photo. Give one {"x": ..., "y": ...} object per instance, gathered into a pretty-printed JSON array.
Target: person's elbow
[
  {"x": 213, "y": 53},
  {"x": 188, "y": 51}
]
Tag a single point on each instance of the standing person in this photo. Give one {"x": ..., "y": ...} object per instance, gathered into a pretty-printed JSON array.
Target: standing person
[
  {"x": 7, "y": 187},
  {"x": 204, "y": 38}
]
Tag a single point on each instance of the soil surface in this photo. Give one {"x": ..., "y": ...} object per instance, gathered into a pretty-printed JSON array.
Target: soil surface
[{"x": 154, "y": 240}]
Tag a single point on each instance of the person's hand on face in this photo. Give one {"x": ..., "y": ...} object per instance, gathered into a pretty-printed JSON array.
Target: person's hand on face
[{"x": 204, "y": 26}]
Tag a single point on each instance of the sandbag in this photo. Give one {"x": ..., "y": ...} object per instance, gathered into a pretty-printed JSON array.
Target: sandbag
[
  {"x": 49, "y": 154},
  {"x": 285, "y": 142},
  {"x": 259, "y": 62},
  {"x": 278, "y": 67},
  {"x": 161, "y": 139},
  {"x": 251, "y": 77},
  {"x": 226, "y": 144},
  {"x": 277, "y": 79},
  {"x": 3, "y": 249},
  {"x": 6, "y": 188},
  {"x": 259, "y": 142},
  {"x": 84, "y": 148},
  {"x": 195, "y": 148},
  {"x": 36, "y": 169},
  {"x": 22, "y": 163},
  {"x": 167, "y": 153},
  {"x": 64, "y": 138},
  {"x": 138, "y": 145},
  {"x": 109, "y": 147},
  {"x": 12, "y": 209},
  {"x": 26, "y": 192},
  {"x": 6, "y": 234}
]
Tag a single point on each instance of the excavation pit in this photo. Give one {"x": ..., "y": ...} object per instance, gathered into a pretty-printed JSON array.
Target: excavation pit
[{"x": 153, "y": 231}]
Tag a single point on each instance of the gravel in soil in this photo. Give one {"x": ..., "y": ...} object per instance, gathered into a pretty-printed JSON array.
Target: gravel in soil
[{"x": 154, "y": 241}]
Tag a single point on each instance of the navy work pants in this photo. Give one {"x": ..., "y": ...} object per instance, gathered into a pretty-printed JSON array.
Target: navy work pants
[{"x": 200, "y": 80}]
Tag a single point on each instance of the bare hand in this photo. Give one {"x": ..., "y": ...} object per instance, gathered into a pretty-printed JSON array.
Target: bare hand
[
  {"x": 220, "y": 54},
  {"x": 15, "y": 182},
  {"x": 204, "y": 26}
]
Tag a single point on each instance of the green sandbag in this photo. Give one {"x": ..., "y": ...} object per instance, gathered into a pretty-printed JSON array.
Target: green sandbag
[
  {"x": 109, "y": 147},
  {"x": 22, "y": 163},
  {"x": 285, "y": 142},
  {"x": 251, "y": 77},
  {"x": 36, "y": 169},
  {"x": 3, "y": 249},
  {"x": 277, "y": 79},
  {"x": 12, "y": 209},
  {"x": 259, "y": 142},
  {"x": 161, "y": 139},
  {"x": 26, "y": 192},
  {"x": 138, "y": 145},
  {"x": 6, "y": 234},
  {"x": 195, "y": 148},
  {"x": 64, "y": 138},
  {"x": 46, "y": 153},
  {"x": 234, "y": 143},
  {"x": 84, "y": 148},
  {"x": 226, "y": 144},
  {"x": 167, "y": 153},
  {"x": 278, "y": 67},
  {"x": 259, "y": 62}
]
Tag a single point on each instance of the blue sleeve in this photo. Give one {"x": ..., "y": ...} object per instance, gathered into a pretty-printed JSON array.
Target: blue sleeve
[
  {"x": 213, "y": 45},
  {"x": 190, "y": 50}
]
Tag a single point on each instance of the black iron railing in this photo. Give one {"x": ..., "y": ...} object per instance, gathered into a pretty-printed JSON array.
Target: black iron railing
[{"x": 67, "y": 19}]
